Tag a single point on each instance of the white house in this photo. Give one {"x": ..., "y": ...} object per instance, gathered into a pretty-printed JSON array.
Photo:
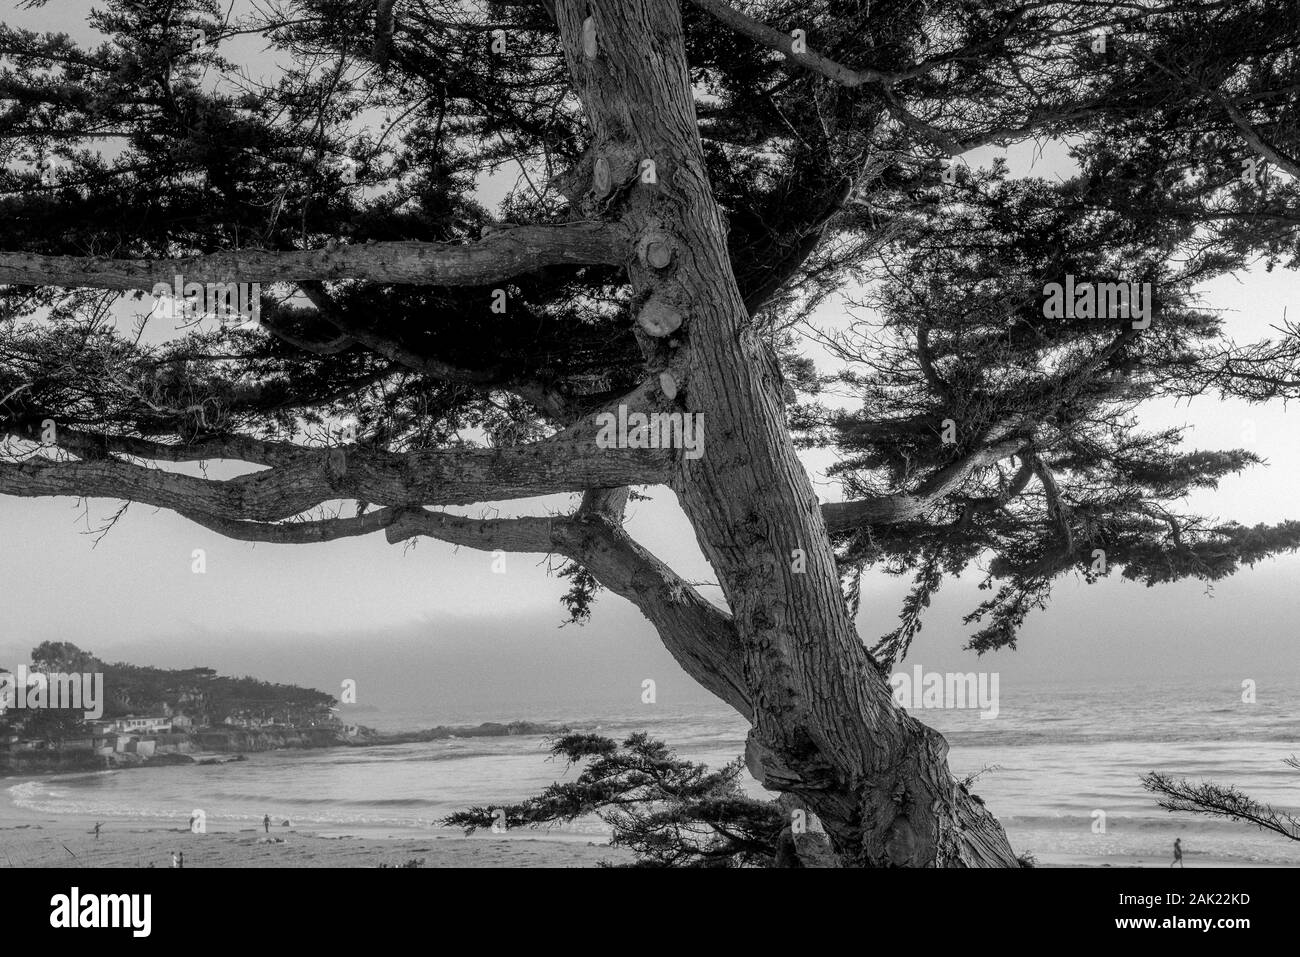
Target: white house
[{"x": 148, "y": 724}]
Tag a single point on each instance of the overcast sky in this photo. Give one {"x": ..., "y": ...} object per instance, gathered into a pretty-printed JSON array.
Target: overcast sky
[{"x": 434, "y": 622}]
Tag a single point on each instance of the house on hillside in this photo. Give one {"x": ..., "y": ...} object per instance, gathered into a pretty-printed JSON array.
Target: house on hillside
[{"x": 146, "y": 724}]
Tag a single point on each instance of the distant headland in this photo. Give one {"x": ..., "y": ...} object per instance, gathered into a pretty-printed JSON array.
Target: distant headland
[{"x": 70, "y": 710}]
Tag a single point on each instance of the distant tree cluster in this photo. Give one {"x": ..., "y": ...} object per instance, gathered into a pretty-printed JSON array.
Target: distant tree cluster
[{"x": 142, "y": 689}]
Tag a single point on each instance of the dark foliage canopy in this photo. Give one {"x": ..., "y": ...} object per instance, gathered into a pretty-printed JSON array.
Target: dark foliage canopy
[{"x": 310, "y": 124}]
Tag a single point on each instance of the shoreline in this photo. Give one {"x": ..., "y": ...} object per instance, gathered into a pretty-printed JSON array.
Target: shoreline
[{"x": 252, "y": 741}]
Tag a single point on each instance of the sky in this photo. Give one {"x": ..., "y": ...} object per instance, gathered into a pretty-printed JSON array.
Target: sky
[{"x": 436, "y": 623}]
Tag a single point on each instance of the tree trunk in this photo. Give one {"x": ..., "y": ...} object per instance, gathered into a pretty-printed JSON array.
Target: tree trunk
[{"x": 825, "y": 727}]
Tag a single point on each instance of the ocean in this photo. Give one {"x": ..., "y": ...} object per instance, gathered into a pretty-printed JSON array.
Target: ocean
[{"x": 1054, "y": 758}]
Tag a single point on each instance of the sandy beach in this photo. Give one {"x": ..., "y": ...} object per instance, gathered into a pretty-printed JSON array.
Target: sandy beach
[
  {"x": 41, "y": 841},
  {"x": 35, "y": 840}
]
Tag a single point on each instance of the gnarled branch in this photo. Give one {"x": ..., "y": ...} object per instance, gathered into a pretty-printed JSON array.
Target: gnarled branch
[{"x": 504, "y": 254}]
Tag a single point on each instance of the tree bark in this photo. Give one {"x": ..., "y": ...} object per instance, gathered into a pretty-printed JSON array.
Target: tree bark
[
  {"x": 500, "y": 256},
  {"x": 569, "y": 461},
  {"x": 825, "y": 727}
]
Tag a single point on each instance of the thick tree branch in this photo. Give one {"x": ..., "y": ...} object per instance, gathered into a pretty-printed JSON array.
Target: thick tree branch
[
  {"x": 567, "y": 462},
  {"x": 498, "y": 257},
  {"x": 1057, "y": 508},
  {"x": 266, "y": 496},
  {"x": 904, "y": 507},
  {"x": 88, "y": 445},
  {"x": 296, "y": 533}
]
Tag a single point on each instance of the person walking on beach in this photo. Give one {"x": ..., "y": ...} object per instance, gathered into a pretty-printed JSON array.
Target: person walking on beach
[
  {"x": 175, "y": 863},
  {"x": 98, "y": 825},
  {"x": 266, "y": 823},
  {"x": 1178, "y": 852},
  {"x": 180, "y": 860}
]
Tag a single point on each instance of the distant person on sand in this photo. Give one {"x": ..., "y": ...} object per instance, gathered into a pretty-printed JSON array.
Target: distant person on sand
[
  {"x": 266, "y": 822},
  {"x": 180, "y": 860},
  {"x": 1178, "y": 852},
  {"x": 174, "y": 861},
  {"x": 98, "y": 825}
]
